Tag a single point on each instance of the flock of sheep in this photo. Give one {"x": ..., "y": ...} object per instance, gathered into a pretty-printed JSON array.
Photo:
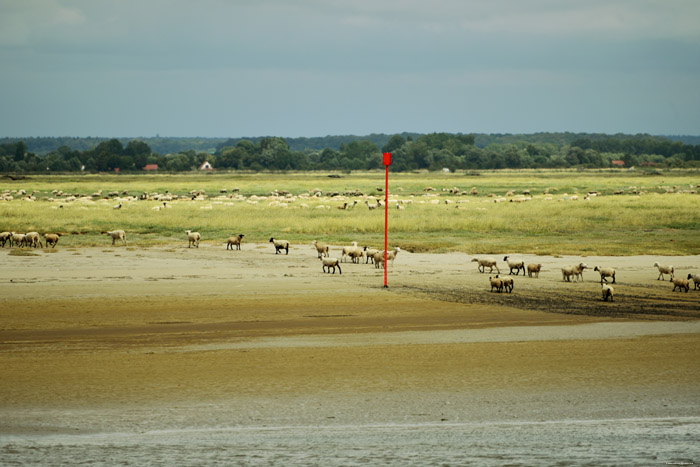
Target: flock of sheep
[{"x": 500, "y": 284}]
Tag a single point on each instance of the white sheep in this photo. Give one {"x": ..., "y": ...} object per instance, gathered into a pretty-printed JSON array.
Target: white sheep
[
  {"x": 567, "y": 272},
  {"x": 483, "y": 263},
  {"x": 534, "y": 269},
  {"x": 347, "y": 250},
  {"x": 280, "y": 245},
  {"x": 116, "y": 235},
  {"x": 496, "y": 283},
  {"x": 517, "y": 265},
  {"x": 193, "y": 238},
  {"x": 680, "y": 284},
  {"x": 608, "y": 292},
  {"x": 605, "y": 272},
  {"x": 51, "y": 239},
  {"x": 507, "y": 283},
  {"x": 17, "y": 239},
  {"x": 32, "y": 239},
  {"x": 369, "y": 254},
  {"x": 356, "y": 254},
  {"x": 234, "y": 241},
  {"x": 330, "y": 263},
  {"x": 696, "y": 280},
  {"x": 663, "y": 270},
  {"x": 578, "y": 270},
  {"x": 390, "y": 256},
  {"x": 321, "y": 248}
]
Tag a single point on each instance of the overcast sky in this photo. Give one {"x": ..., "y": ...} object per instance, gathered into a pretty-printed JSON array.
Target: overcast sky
[{"x": 317, "y": 67}]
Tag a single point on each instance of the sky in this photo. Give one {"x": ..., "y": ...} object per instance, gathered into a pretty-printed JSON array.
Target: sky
[{"x": 216, "y": 68}]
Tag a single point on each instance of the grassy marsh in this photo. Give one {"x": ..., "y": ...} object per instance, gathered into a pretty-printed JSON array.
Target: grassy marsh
[{"x": 657, "y": 214}]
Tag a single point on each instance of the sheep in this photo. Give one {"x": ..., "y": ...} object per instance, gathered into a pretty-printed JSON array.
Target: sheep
[
  {"x": 347, "y": 250},
  {"x": 51, "y": 239},
  {"x": 356, "y": 254},
  {"x": 566, "y": 273},
  {"x": 390, "y": 256},
  {"x": 681, "y": 284},
  {"x": 496, "y": 283},
  {"x": 193, "y": 238},
  {"x": 696, "y": 280},
  {"x": 608, "y": 292},
  {"x": 534, "y": 269},
  {"x": 578, "y": 270},
  {"x": 483, "y": 263},
  {"x": 517, "y": 265},
  {"x": 507, "y": 283},
  {"x": 5, "y": 237},
  {"x": 605, "y": 272},
  {"x": 235, "y": 240},
  {"x": 17, "y": 239},
  {"x": 280, "y": 245},
  {"x": 369, "y": 254},
  {"x": 32, "y": 238},
  {"x": 664, "y": 270},
  {"x": 118, "y": 206},
  {"x": 330, "y": 263},
  {"x": 321, "y": 248},
  {"x": 116, "y": 235}
]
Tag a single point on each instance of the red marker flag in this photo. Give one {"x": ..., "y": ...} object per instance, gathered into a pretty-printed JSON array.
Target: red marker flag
[{"x": 387, "y": 163}]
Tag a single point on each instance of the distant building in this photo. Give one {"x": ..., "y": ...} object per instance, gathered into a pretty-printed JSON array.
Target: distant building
[
  {"x": 618, "y": 163},
  {"x": 151, "y": 167},
  {"x": 206, "y": 166}
]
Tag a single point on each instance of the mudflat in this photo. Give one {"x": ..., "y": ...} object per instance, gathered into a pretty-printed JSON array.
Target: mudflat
[{"x": 130, "y": 338}]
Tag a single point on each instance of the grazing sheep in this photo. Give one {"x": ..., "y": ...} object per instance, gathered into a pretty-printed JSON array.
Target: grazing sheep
[
  {"x": 118, "y": 206},
  {"x": 517, "y": 265},
  {"x": 235, "y": 240},
  {"x": 608, "y": 292},
  {"x": 193, "y": 238},
  {"x": 534, "y": 269},
  {"x": 116, "y": 235},
  {"x": 483, "y": 263},
  {"x": 605, "y": 272},
  {"x": 51, "y": 239},
  {"x": 578, "y": 270},
  {"x": 321, "y": 248},
  {"x": 32, "y": 239},
  {"x": 496, "y": 283},
  {"x": 696, "y": 280},
  {"x": 280, "y": 245},
  {"x": 330, "y": 263},
  {"x": 681, "y": 284},
  {"x": 5, "y": 237},
  {"x": 663, "y": 270}
]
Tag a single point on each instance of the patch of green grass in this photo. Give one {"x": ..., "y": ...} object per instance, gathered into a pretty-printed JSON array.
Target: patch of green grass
[
  {"x": 650, "y": 222},
  {"x": 21, "y": 252}
]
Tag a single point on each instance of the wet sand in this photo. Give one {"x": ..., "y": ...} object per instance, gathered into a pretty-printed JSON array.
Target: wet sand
[{"x": 130, "y": 339}]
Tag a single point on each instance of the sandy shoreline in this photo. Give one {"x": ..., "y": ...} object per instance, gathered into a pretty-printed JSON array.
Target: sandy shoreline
[{"x": 127, "y": 339}]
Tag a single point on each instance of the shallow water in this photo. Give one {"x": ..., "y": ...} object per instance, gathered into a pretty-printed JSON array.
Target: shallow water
[{"x": 570, "y": 442}]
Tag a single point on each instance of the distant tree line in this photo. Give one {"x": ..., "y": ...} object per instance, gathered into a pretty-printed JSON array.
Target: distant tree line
[{"x": 411, "y": 151}]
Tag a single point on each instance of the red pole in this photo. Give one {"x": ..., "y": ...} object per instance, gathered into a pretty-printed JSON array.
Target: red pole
[{"x": 387, "y": 163}]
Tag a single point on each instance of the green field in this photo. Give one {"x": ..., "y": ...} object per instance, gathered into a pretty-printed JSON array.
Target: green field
[{"x": 655, "y": 214}]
